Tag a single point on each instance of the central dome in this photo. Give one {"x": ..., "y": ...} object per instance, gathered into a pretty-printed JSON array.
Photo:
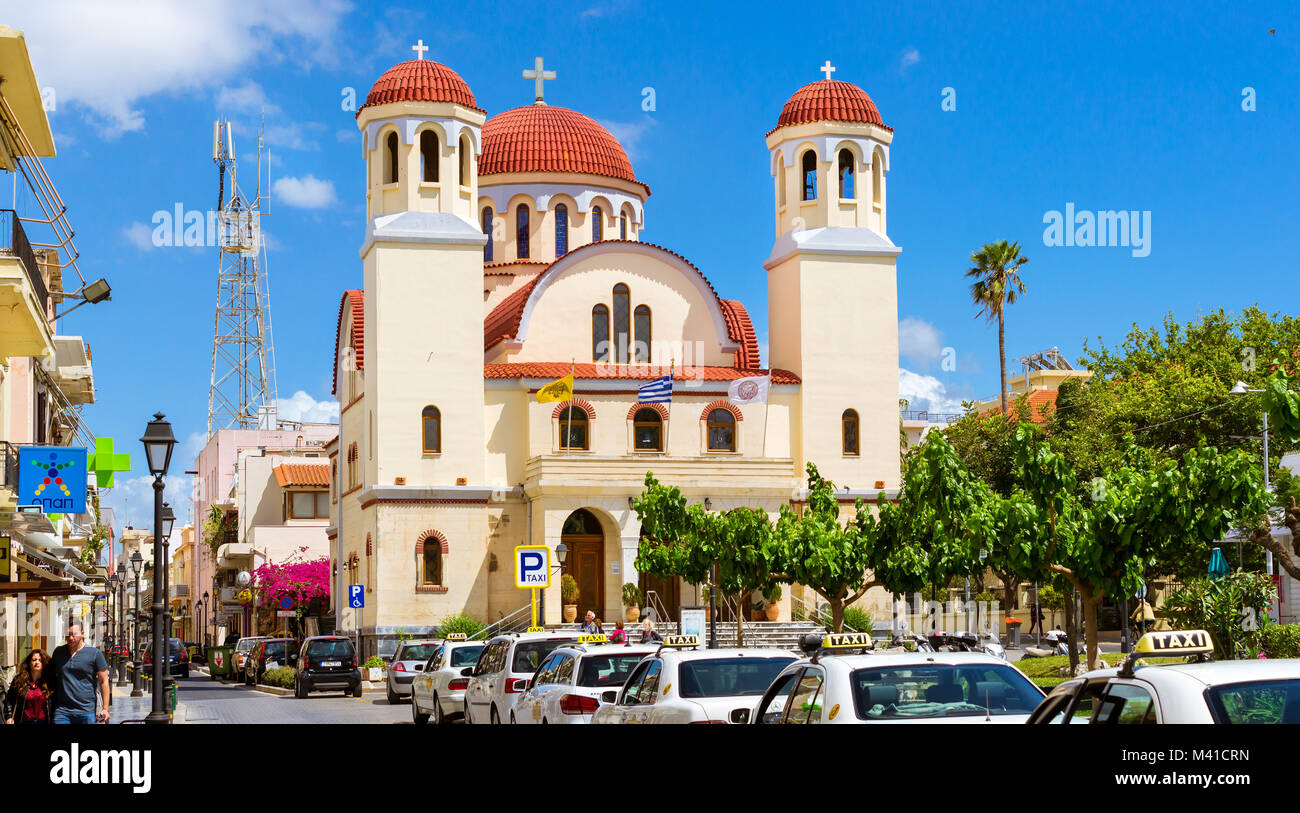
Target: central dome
[
  {"x": 543, "y": 138},
  {"x": 419, "y": 80},
  {"x": 829, "y": 100}
]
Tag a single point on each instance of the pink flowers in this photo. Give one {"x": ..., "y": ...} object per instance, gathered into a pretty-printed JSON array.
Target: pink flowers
[{"x": 300, "y": 581}]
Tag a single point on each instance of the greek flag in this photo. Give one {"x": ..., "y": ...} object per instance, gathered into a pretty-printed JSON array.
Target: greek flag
[{"x": 656, "y": 392}]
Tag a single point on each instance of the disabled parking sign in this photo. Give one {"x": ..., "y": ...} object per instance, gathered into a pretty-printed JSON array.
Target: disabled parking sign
[
  {"x": 532, "y": 567},
  {"x": 356, "y": 596}
]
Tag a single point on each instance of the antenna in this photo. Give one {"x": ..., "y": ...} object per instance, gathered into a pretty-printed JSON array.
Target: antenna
[{"x": 242, "y": 392}]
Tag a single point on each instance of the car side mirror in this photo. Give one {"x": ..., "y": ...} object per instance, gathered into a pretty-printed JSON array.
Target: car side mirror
[
  {"x": 610, "y": 696},
  {"x": 740, "y": 716},
  {"x": 468, "y": 671}
]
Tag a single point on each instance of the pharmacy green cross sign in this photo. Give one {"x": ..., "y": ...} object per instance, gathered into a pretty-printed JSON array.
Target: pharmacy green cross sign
[{"x": 103, "y": 462}]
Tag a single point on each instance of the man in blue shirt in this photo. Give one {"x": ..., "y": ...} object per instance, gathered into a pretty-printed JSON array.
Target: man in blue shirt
[{"x": 78, "y": 670}]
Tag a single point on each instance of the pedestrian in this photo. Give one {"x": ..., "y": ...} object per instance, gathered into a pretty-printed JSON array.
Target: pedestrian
[
  {"x": 591, "y": 624},
  {"x": 31, "y": 698},
  {"x": 600, "y": 626},
  {"x": 648, "y": 634},
  {"x": 79, "y": 669},
  {"x": 1035, "y": 617},
  {"x": 618, "y": 636},
  {"x": 1142, "y": 616}
]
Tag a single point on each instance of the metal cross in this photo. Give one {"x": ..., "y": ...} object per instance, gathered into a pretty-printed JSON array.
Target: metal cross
[
  {"x": 538, "y": 76},
  {"x": 827, "y": 69},
  {"x": 419, "y": 48}
]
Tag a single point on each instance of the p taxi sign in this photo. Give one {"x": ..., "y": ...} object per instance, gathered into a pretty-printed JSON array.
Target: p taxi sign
[
  {"x": 532, "y": 567},
  {"x": 53, "y": 477},
  {"x": 1175, "y": 643},
  {"x": 846, "y": 640},
  {"x": 681, "y": 640},
  {"x": 455, "y": 636},
  {"x": 593, "y": 639}
]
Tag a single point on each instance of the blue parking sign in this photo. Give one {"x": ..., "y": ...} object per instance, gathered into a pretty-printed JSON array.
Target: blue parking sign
[
  {"x": 356, "y": 596},
  {"x": 532, "y": 566}
]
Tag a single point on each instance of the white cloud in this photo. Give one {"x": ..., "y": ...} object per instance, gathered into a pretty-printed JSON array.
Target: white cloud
[
  {"x": 911, "y": 56},
  {"x": 109, "y": 55},
  {"x": 307, "y": 192},
  {"x": 248, "y": 97},
  {"x": 919, "y": 340},
  {"x": 629, "y": 134},
  {"x": 302, "y": 407},
  {"x": 925, "y": 392},
  {"x": 139, "y": 235},
  {"x": 344, "y": 136}
]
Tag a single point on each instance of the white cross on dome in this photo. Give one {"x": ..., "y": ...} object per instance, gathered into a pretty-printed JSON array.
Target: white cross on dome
[
  {"x": 538, "y": 75},
  {"x": 827, "y": 69},
  {"x": 419, "y": 48}
]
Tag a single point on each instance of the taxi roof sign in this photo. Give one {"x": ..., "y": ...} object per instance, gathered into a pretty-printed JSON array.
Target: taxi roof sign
[
  {"x": 456, "y": 636},
  {"x": 681, "y": 640},
  {"x": 847, "y": 640},
  {"x": 1174, "y": 643},
  {"x": 535, "y": 629},
  {"x": 593, "y": 639}
]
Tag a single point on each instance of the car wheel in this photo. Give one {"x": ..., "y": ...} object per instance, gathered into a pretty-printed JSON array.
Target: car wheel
[
  {"x": 438, "y": 717},
  {"x": 416, "y": 716},
  {"x": 393, "y": 698},
  {"x": 466, "y": 716},
  {"x": 297, "y": 690},
  {"x": 493, "y": 717},
  {"x": 355, "y": 692},
  {"x": 545, "y": 721}
]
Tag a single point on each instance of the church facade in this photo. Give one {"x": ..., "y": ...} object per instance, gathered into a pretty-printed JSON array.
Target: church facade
[{"x": 502, "y": 253}]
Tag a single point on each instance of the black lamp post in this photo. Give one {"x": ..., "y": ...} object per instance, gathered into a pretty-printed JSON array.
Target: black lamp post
[
  {"x": 203, "y": 628},
  {"x": 168, "y": 520},
  {"x": 111, "y": 587},
  {"x": 158, "y": 443},
  {"x": 121, "y": 623},
  {"x": 136, "y": 561}
]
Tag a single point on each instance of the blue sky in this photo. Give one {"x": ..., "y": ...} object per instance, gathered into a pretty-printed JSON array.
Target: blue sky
[{"x": 1106, "y": 106}]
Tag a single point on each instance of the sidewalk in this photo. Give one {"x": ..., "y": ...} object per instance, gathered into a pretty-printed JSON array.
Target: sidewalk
[{"x": 124, "y": 707}]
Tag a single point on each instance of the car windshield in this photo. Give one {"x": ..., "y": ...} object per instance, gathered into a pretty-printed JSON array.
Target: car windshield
[
  {"x": 333, "y": 648},
  {"x": 607, "y": 670},
  {"x": 416, "y": 652},
  {"x": 1269, "y": 702},
  {"x": 529, "y": 654},
  {"x": 245, "y": 644},
  {"x": 941, "y": 690},
  {"x": 466, "y": 655},
  {"x": 275, "y": 649},
  {"x": 174, "y": 646},
  {"x": 729, "y": 677}
]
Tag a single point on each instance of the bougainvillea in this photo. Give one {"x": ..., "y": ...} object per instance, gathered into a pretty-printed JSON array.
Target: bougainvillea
[{"x": 301, "y": 581}]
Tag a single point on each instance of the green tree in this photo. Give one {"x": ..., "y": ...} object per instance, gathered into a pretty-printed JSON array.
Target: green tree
[{"x": 996, "y": 274}]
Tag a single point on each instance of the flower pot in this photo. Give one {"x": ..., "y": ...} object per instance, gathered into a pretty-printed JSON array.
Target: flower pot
[
  {"x": 570, "y": 613},
  {"x": 374, "y": 674},
  {"x": 757, "y": 615},
  {"x": 773, "y": 612},
  {"x": 632, "y": 613}
]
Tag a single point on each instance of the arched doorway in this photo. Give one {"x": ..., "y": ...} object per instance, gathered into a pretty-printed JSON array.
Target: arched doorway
[{"x": 585, "y": 540}]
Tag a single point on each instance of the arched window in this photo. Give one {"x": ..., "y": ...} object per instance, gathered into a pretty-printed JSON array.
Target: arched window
[
  {"x": 429, "y": 156},
  {"x": 780, "y": 180},
  {"x": 431, "y": 573},
  {"x": 849, "y": 431},
  {"x": 390, "y": 158},
  {"x": 846, "y": 175},
  {"x": 597, "y": 224},
  {"x": 622, "y": 226},
  {"x": 641, "y": 326},
  {"x": 622, "y": 323},
  {"x": 521, "y": 232},
  {"x": 647, "y": 431},
  {"x": 877, "y": 177},
  {"x": 721, "y": 427},
  {"x": 573, "y": 428},
  {"x": 809, "y": 175},
  {"x": 487, "y": 229},
  {"x": 561, "y": 230},
  {"x": 431, "y": 429},
  {"x": 465, "y": 151},
  {"x": 600, "y": 333}
]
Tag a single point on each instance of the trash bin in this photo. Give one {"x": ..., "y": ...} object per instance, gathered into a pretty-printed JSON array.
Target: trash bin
[
  {"x": 221, "y": 662},
  {"x": 1013, "y": 633}
]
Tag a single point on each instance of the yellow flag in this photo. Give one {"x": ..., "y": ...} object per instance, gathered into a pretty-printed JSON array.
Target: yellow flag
[{"x": 559, "y": 390}]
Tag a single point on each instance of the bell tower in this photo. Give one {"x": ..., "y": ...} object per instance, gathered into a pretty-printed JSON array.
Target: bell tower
[{"x": 832, "y": 282}]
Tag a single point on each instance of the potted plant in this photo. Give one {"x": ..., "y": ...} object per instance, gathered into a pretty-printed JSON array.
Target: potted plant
[
  {"x": 374, "y": 668},
  {"x": 758, "y": 613},
  {"x": 631, "y": 602},
  {"x": 772, "y": 595},
  {"x": 569, "y": 598}
]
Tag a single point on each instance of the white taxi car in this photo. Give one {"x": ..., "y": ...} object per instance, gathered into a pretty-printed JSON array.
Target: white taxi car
[
  {"x": 833, "y": 685},
  {"x": 1249, "y": 691},
  {"x": 503, "y": 671},
  {"x": 438, "y": 691},
  {"x": 681, "y": 683},
  {"x": 567, "y": 686}
]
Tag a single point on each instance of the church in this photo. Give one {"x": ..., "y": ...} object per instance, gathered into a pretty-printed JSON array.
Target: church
[{"x": 504, "y": 252}]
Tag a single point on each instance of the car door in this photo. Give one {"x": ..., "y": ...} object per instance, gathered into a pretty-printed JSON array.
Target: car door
[
  {"x": 479, "y": 693},
  {"x": 529, "y": 707},
  {"x": 625, "y": 705},
  {"x": 805, "y": 707},
  {"x": 1127, "y": 704},
  {"x": 647, "y": 711},
  {"x": 776, "y": 700}
]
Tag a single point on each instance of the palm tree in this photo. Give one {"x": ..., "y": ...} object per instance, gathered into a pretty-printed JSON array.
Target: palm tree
[{"x": 997, "y": 284}]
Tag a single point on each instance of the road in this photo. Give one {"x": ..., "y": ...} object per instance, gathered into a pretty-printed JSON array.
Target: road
[{"x": 202, "y": 701}]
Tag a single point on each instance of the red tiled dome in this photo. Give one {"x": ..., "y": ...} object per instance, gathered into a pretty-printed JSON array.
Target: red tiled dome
[
  {"x": 543, "y": 138},
  {"x": 420, "y": 80},
  {"x": 829, "y": 100}
]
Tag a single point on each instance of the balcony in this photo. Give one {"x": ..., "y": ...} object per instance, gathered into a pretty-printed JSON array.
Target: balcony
[
  {"x": 180, "y": 591},
  {"x": 8, "y": 466},
  {"x": 24, "y": 299},
  {"x": 73, "y": 372},
  {"x": 717, "y": 476}
]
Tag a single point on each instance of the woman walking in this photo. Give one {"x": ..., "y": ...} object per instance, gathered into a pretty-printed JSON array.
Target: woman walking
[{"x": 31, "y": 698}]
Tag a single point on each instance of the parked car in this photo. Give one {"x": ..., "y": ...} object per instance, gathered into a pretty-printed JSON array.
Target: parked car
[
  {"x": 269, "y": 653},
  {"x": 503, "y": 671},
  {"x": 439, "y": 690},
  {"x": 178, "y": 658},
  {"x": 327, "y": 662},
  {"x": 568, "y": 685},
  {"x": 408, "y": 661},
  {"x": 242, "y": 647}
]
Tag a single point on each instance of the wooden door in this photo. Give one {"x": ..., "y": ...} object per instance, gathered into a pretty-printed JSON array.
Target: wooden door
[{"x": 586, "y": 564}]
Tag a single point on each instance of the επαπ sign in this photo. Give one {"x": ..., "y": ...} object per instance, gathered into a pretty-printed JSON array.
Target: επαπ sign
[
  {"x": 53, "y": 477},
  {"x": 532, "y": 566}
]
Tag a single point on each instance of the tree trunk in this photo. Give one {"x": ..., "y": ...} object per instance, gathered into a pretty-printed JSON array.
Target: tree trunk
[
  {"x": 740, "y": 618},
  {"x": 1070, "y": 634},
  {"x": 1002, "y": 360},
  {"x": 1090, "y": 603},
  {"x": 837, "y": 614}
]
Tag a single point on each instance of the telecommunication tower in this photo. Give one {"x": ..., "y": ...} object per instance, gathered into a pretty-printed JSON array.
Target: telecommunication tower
[{"x": 242, "y": 393}]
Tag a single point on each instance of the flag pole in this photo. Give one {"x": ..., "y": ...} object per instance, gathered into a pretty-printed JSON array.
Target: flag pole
[
  {"x": 767, "y": 407},
  {"x": 573, "y": 390}
]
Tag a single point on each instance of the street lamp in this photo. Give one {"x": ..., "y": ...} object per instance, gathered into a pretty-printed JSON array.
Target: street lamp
[
  {"x": 1240, "y": 388},
  {"x": 168, "y": 520},
  {"x": 121, "y": 623},
  {"x": 159, "y": 442},
  {"x": 203, "y": 627},
  {"x": 112, "y": 632},
  {"x": 136, "y": 562}
]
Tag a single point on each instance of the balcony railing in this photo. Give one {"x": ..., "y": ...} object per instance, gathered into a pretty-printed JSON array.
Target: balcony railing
[
  {"x": 13, "y": 241},
  {"x": 180, "y": 591},
  {"x": 930, "y": 417},
  {"x": 8, "y": 465}
]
